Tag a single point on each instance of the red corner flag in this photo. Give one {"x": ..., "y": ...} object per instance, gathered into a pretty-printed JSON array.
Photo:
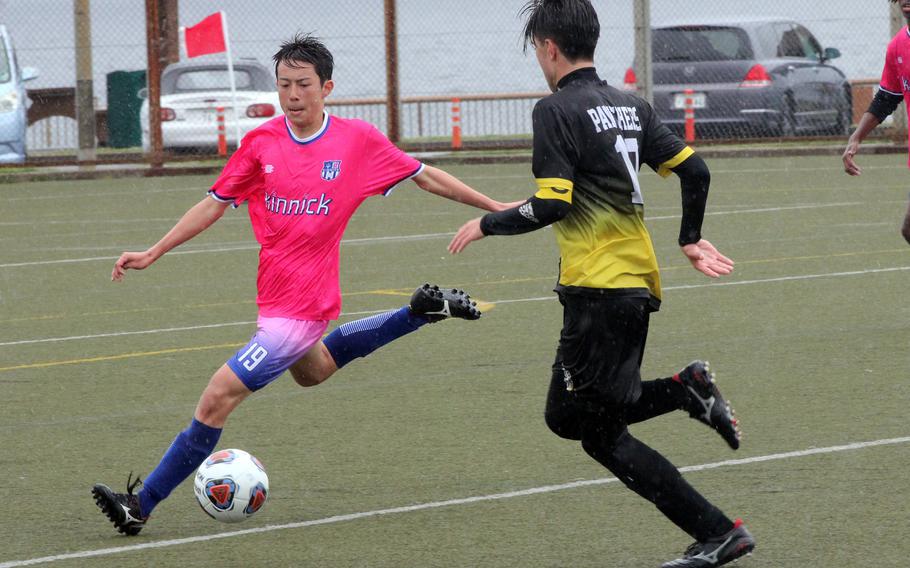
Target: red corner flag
[{"x": 205, "y": 37}]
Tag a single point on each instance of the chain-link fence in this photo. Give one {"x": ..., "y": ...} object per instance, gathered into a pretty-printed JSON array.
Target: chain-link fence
[{"x": 755, "y": 68}]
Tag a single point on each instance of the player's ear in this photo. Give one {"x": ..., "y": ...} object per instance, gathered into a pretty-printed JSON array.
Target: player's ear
[
  {"x": 552, "y": 49},
  {"x": 327, "y": 88}
]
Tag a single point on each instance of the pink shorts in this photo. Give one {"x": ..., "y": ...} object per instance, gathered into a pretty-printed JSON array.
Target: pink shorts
[{"x": 276, "y": 345}]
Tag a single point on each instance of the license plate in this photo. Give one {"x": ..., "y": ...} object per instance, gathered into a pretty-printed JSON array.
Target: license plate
[
  {"x": 699, "y": 100},
  {"x": 211, "y": 115}
]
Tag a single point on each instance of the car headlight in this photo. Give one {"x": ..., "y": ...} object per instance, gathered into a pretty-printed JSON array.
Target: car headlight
[{"x": 9, "y": 102}]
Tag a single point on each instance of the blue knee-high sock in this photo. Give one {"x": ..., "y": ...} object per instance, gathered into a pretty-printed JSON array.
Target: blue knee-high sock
[
  {"x": 361, "y": 337},
  {"x": 186, "y": 453}
]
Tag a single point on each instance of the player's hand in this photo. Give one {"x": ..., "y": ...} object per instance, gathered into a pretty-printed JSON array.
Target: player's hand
[
  {"x": 131, "y": 260},
  {"x": 511, "y": 205},
  {"x": 468, "y": 233},
  {"x": 850, "y": 166},
  {"x": 707, "y": 259}
]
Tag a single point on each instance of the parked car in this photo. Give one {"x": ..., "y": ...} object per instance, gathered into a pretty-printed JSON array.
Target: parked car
[
  {"x": 191, "y": 93},
  {"x": 14, "y": 102},
  {"x": 755, "y": 77}
]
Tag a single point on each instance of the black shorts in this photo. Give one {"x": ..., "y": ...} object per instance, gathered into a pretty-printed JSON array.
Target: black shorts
[{"x": 597, "y": 371}]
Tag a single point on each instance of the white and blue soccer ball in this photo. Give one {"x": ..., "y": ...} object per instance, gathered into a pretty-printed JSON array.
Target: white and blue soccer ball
[{"x": 231, "y": 485}]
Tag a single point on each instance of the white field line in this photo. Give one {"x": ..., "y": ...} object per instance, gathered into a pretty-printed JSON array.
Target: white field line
[
  {"x": 361, "y": 241},
  {"x": 81, "y": 196},
  {"x": 162, "y": 330},
  {"x": 766, "y": 209},
  {"x": 513, "y": 301},
  {"x": 394, "y": 238},
  {"x": 439, "y": 504}
]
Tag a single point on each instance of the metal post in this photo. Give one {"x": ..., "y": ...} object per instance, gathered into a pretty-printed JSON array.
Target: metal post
[
  {"x": 153, "y": 55},
  {"x": 391, "y": 72},
  {"x": 85, "y": 97},
  {"x": 643, "y": 72},
  {"x": 900, "y": 118},
  {"x": 169, "y": 30}
]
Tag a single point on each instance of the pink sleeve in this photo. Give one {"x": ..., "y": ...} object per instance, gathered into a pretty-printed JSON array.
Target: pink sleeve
[
  {"x": 891, "y": 81},
  {"x": 387, "y": 165},
  {"x": 240, "y": 177}
]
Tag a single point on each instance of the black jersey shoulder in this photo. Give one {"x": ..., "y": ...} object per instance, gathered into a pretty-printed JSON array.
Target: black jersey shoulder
[{"x": 582, "y": 95}]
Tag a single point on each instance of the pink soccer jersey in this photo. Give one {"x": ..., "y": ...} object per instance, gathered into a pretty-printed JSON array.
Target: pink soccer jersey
[
  {"x": 896, "y": 74},
  {"x": 300, "y": 194}
]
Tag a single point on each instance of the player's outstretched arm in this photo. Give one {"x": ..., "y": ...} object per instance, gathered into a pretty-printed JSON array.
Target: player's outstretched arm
[
  {"x": 883, "y": 104},
  {"x": 444, "y": 184},
  {"x": 694, "y": 181},
  {"x": 193, "y": 222},
  {"x": 525, "y": 216}
]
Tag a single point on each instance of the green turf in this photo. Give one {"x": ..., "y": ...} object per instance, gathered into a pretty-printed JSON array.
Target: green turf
[{"x": 455, "y": 411}]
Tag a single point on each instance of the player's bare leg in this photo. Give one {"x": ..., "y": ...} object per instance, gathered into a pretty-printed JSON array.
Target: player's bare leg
[
  {"x": 221, "y": 396},
  {"x": 314, "y": 367}
]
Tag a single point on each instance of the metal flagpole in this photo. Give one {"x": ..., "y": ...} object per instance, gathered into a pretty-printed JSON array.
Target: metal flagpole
[{"x": 230, "y": 65}]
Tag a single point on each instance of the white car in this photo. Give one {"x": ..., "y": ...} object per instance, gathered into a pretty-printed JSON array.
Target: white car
[{"x": 191, "y": 94}]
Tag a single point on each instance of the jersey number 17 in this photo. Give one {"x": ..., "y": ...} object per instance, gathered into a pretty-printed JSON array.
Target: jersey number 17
[{"x": 628, "y": 149}]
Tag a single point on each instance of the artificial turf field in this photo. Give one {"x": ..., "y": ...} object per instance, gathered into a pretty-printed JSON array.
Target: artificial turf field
[{"x": 433, "y": 451}]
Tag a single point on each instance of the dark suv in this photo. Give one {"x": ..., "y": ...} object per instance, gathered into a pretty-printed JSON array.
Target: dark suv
[{"x": 748, "y": 78}]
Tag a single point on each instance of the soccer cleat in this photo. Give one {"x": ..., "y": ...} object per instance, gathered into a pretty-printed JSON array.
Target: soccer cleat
[
  {"x": 437, "y": 305},
  {"x": 716, "y": 551},
  {"x": 705, "y": 402},
  {"x": 121, "y": 508}
]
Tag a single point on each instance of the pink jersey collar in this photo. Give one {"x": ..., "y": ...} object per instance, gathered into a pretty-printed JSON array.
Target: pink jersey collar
[{"x": 313, "y": 137}]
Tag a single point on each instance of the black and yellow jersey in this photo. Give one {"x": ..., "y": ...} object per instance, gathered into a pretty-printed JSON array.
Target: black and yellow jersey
[{"x": 589, "y": 142}]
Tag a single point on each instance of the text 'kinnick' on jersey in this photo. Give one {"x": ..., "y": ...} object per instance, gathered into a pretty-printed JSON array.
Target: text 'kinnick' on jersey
[
  {"x": 306, "y": 206},
  {"x": 623, "y": 118}
]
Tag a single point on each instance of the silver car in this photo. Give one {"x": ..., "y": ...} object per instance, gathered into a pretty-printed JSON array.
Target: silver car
[
  {"x": 14, "y": 102},
  {"x": 759, "y": 77}
]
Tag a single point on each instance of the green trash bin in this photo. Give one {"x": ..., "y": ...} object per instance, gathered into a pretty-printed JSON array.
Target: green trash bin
[{"x": 123, "y": 105}]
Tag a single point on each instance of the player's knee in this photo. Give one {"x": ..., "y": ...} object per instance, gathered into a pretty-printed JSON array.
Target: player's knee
[
  {"x": 601, "y": 443},
  {"x": 563, "y": 424},
  {"x": 905, "y": 230},
  {"x": 314, "y": 367},
  {"x": 306, "y": 377},
  {"x": 221, "y": 396},
  {"x": 214, "y": 407}
]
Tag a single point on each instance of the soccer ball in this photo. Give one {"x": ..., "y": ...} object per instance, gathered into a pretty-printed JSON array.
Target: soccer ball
[{"x": 231, "y": 485}]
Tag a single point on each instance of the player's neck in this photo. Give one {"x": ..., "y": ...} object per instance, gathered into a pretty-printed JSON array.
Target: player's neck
[
  {"x": 565, "y": 67},
  {"x": 308, "y": 129}
]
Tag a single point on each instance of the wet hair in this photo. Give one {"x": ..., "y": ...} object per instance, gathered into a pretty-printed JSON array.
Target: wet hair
[
  {"x": 571, "y": 24},
  {"x": 305, "y": 48}
]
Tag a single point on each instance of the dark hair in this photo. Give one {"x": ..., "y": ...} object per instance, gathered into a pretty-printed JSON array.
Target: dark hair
[
  {"x": 305, "y": 48},
  {"x": 571, "y": 24}
]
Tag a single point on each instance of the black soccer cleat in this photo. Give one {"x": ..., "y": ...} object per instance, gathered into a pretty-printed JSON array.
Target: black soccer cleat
[
  {"x": 706, "y": 404},
  {"x": 716, "y": 551},
  {"x": 437, "y": 305},
  {"x": 121, "y": 508}
]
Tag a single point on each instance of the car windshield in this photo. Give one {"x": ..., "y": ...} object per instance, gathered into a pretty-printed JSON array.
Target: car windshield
[
  {"x": 700, "y": 43},
  {"x": 212, "y": 80},
  {"x": 4, "y": 64}
]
